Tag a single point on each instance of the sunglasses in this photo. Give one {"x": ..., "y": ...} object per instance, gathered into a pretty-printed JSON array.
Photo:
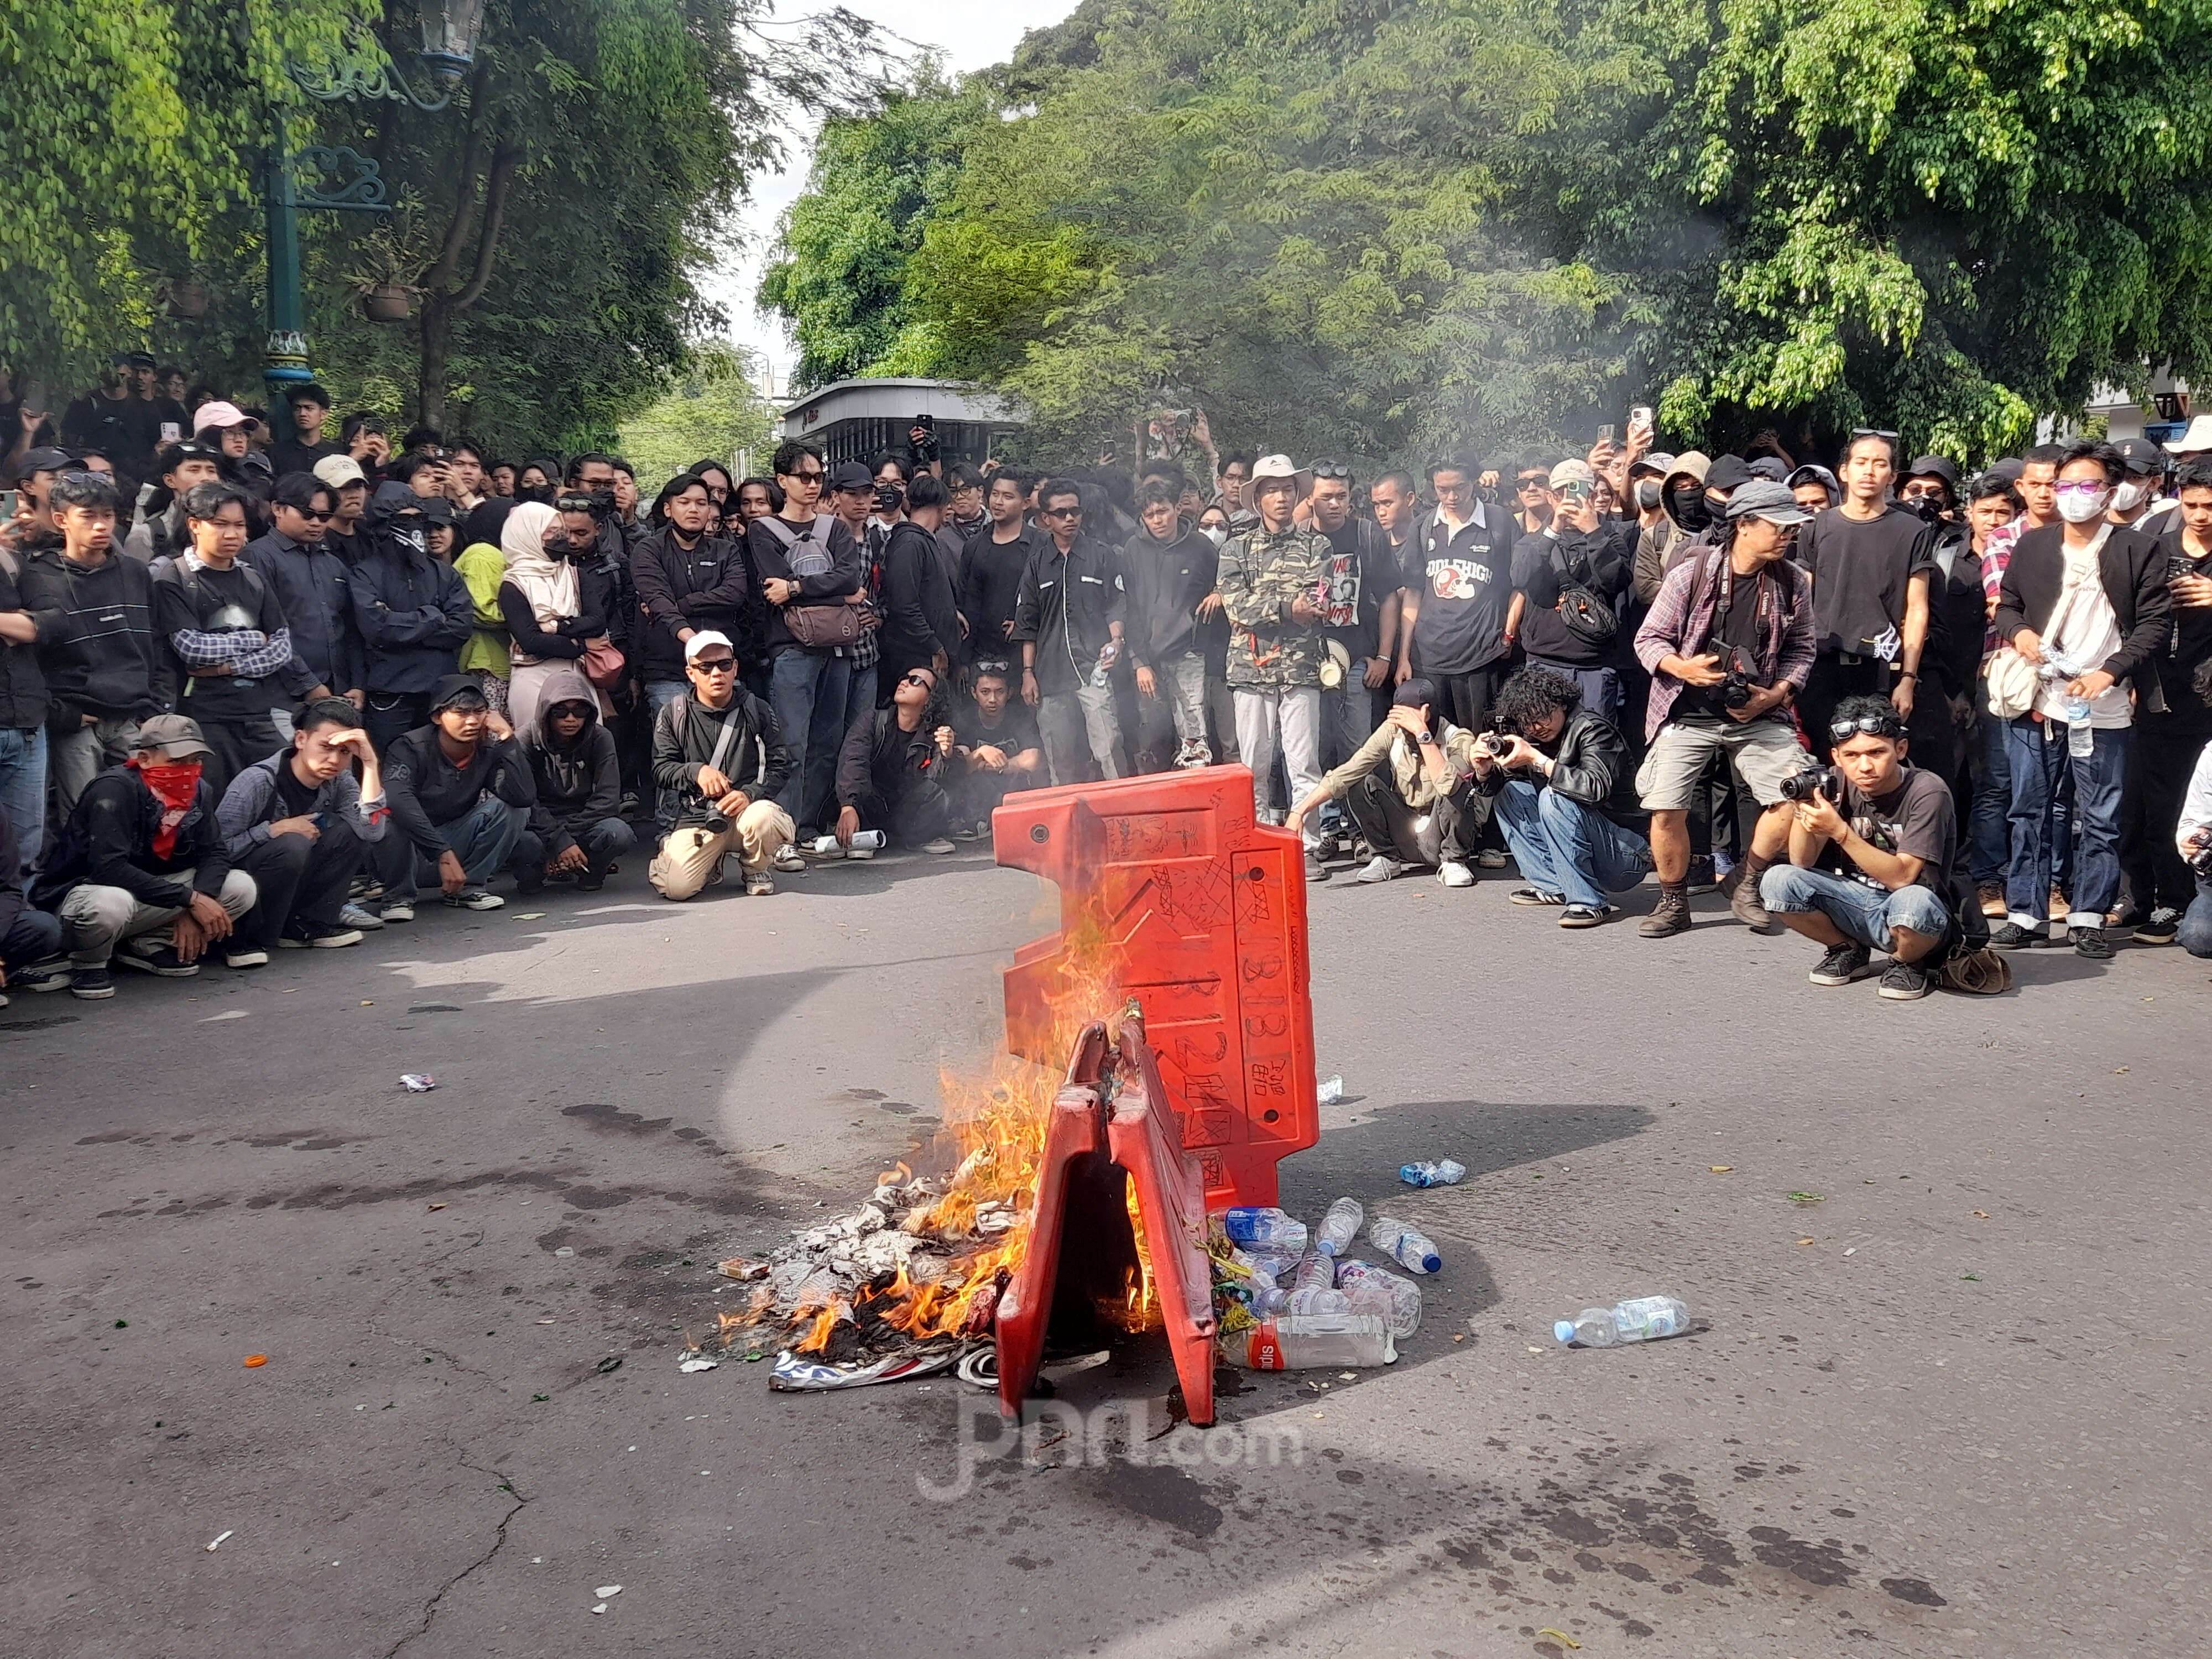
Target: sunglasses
[
  {"x": 919, "y": 679},
  {"x": 1061, "y": 512},
  {"x": 714, "y": 665},
  {"x": 314, "y": 517},
  {"x": 1331, "y": 470},
  {"x": 1869, "y": 725},
  {"x": 1540, "y": 481}
]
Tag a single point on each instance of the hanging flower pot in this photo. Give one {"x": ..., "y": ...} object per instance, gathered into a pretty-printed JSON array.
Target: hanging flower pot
[
  {"x": 185, "y": 297},
  {"x": 387, "y": 302}
]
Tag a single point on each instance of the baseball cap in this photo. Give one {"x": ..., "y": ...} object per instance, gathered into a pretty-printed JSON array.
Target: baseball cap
[
  {"x": 454, "y": 690},
  {"x": 338, "y": 471},
  {"x": 2009, "y": 469},
  {"x": 2140, "y": 454},
  {"x": 1571, "y": 471},
  {"x": 1935, "y": 466},
  {"x": 1729, "y": 472},
  {"x": 851, "y": 475},
  {"x": 45, "y": 460},
  {"x": 1656, "y": 461},
  {"x": 218, "y": 417},
  {"x": 1763, "y": 498},
  {"x": 1771, "y": 468},
  {"x": 175, "y": 736},
  {"x": 437, "y": 509},
  {"x": 705, "y": 637}
]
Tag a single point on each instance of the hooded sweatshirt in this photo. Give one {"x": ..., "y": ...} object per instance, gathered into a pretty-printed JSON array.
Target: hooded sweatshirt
[
  {"x": 1166, "y": 580},
  {"x": 413, "y": 611},
  {"x": 580, "y": 784}
]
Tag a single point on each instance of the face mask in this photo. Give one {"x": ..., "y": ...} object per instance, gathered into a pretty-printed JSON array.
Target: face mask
[
  {"x": 1692, "y": 511},
  {"x": 889, "y": 498},
  {"x": 536, "y": 493},
  {"x": 1929, "y": 507},
  {"x": 2080, "y": 506},
  {"x": 2131, "y": 494},
  {"x": 1647, "y": 494},
  {"x": 1215, "y": 534}
]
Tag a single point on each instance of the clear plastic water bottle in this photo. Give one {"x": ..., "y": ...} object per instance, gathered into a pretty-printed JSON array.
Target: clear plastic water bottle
[
  {"x": 1317, "y": 1299},
  {"x": 1102, "y": 675},
  {"x": 2080, "y": 736},
  {"x": 1273, "y": 1228},
  {"x": 1378, "y": 1290},
  {"x": 1409, "y": 1248},
  {"x": 1646, "y": 1319},
  {"x": 1314, "y": 1272},
  {"x": 1329, "y": 1090},
  {"x": 1339, "y": 1227},
  {"x": 1446, "y": 1172},
  {"x": 1311, "y": 1342}
]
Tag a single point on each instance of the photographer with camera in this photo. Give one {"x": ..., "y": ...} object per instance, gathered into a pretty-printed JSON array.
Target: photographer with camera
[
  {"x": 1728, "y": 640},
  {"x": 1553, "y": 767},
  {"x": 1410, "y": 787},
  {"x": 1873, "y": 858},
  {"x": 1572, "y": 574},
  {"x": 719, "y": 759}
]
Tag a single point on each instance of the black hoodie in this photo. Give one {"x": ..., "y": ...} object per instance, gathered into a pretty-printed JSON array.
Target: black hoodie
[
  {"x": 1166, "y": 580},
  {"x": 580, "y": 784}
]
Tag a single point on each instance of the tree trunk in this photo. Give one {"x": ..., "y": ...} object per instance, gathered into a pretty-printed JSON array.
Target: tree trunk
[{"x": 430, "y": 375}]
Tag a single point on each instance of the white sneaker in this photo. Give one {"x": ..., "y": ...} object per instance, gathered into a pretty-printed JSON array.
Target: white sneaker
[
  {"x": 1453, "y": 873},
  {"x": 251, "y": 955},
  {"x": 397, "y": 911},
  {"x": 940, "y": 844},
  {"x": 475, "y": 898},
  {"x": 1379, "y": 868},
  {"x": 788, "y": 860},
  {"x": 358, "y": 916}
]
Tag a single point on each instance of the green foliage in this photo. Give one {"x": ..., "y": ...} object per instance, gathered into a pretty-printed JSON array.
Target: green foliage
[
  {"x": 1390, "y": 226},
  {"x": 715, "y": 409}
]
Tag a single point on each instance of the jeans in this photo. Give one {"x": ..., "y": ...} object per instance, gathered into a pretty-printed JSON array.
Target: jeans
[
  {"x": 1179, "y": 710},
  {"x": 1290, "y": 720},
  {"x": 811, "y": 694},
  {"x": 1600, "y": 685},
  {"x": 2197, "y": 922},
  {"x": 98, "y": 919},
  {"x": 23, "y": 790},
  {"x": 2039, "y": 754},
  {"x": 1563, "y": 847},
  {"x": 1079, "y": 728},
  {"x": 1859, "y": 911},
  {"x": 659, "y": 694},
  {"x": 237, "y": 744},
  {"x": 482, "y": 838},
  {"x": 35, "y": 936},
  {"x": 76, "y": 757},
  {"x": 1988, "y": 845},
  {"x": 299, "y": 881},
  {"x": 603, "y": 843}
]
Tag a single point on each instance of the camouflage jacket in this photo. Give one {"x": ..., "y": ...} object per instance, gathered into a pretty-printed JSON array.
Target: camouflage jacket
[{"x": 1262, "y": 572}]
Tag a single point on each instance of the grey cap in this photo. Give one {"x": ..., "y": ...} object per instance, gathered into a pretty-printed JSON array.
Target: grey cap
[
  {"x": 175, "y": 736},
  {"x": 1763, "y": 498},
  {"x": 1656, "y": 461}
]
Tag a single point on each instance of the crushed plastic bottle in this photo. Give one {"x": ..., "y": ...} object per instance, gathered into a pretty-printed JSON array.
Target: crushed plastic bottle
[
  {"x": 1378, "y": 1290},
  {"x": 1645, "y": 1319},
  {"x": 864, "y": 840},
  {"x": 1339, "y": 1227},
  {"x": 1330, "y": 1091},
  {"x": 1446, "y": 1172},
  {"x": 417, "y": 1082},
  {"x": 1312, "y": 1342},
  {"x": 1316, "y": 1300},
  {"x": 1406, "y": 1246},
  {"x": 1314, "y": 1272},
  {"x": 1270, "y": 1227}
]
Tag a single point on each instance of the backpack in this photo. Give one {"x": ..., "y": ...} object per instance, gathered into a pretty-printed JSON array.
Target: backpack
[{"x": 817, "y": 627}]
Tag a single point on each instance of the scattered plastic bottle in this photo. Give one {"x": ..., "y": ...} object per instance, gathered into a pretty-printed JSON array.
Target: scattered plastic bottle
[
  {"x": 1317, "y": 1299},
  {"x": 1312, "y": 1342},
  {"x": 1339, "y": 1227},
  {"x": 1314, "y": 1272},
  {"x": 864, "y": 840},
  {"x": 1410, "y": 1248},
  {"x": 1330, "y": 1091},
  {"x": 1378, "y": 1290},
  {"x": 1646, "y": 1319},
  {"x": 1270, "y": 1263},
  {"x": 1271, "y": 1227},
  {"x": 1446, "y": 1172}
]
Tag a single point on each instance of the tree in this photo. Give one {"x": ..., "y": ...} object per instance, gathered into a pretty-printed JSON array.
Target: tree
[{"x": 713, "y": 410}]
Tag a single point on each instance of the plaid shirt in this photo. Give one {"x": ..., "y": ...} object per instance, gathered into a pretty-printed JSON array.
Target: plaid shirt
[
  {"x": 1996, "y": 558},
  {"x": 1786, "y": 633}
]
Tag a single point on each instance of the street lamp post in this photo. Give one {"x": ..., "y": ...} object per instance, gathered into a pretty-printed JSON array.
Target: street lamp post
[{"x": 349, "y": 182}]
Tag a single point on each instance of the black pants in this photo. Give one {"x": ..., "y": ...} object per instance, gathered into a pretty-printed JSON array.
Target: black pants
[
  {"x": 1466, "y": 698},
  {"x": 2160, "y": 759},
  {"x": 299, "y": 881},
  {"x": 604, "y": 841},
  {"x": 1828, "y": 682},
  {"x": 922, "y": 814},
  {"x": 237, "y": 744},
  {"x": 1387, "y": 822},
  {"x": 390, "y": 715}
]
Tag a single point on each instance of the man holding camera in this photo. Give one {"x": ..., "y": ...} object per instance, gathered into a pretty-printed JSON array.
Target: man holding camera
[
  {"x": 1552, "y": 768},
  {"x": 1873, "y": 857},
  {"x": 1728, "y": 640},
  {"x": 720, "y": 757}
]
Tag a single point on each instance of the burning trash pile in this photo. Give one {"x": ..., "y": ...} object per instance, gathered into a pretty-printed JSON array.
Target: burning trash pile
[{"x": 1288, "y": 1300}]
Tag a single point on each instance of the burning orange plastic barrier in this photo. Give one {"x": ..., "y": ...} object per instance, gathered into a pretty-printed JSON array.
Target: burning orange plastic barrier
[{"x": 1172, "y": 895}]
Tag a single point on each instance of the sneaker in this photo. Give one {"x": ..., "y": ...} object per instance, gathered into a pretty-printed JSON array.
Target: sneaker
[
  {"x": 590, "y": 881},
  {"x": 967, "y": 832},
  {"x": 759, "y": 885},
  {"x": 361, "y": 917},
  {"x": 1491, "y": 858},
  {"x": 2163, "y": 927},
  {"x": 398, "y": 910},
  {"x": 245, "y": 955},
  {"x": 1702, "y": 879},
  {"x": 940, "y": 846},
  {"x": 159, "y": 959},
  {"x": 1379, "y": 868},
  {"x": 1905, "y": 981},
  {"x": 475, "y": 898},
  {"x": 1453, "y": 873},
  {"x": 2014, "y": 936},
  {"x": 52, "y": 976},
  {"x": 1535, "y": 896},
  {"x": 2090, "y": 942},
  {"x": 788, "y": 860},
  {"x": 1993, "y": 899},
  {"x": 858, "y": 852},
  {"x": 629, "y": 806},
  {"x": 1584, "y": 915},
  {"x": 1844, "y": 963},
  {"x": 1744, "y": 902},
  {"x": 2060, "y": 907},
  {"x": 1671, "y": 915},
  {"x": 1315, "y": 870},
  {"x": 91, "y": 983},
  {"x": 318, "y": 936}
]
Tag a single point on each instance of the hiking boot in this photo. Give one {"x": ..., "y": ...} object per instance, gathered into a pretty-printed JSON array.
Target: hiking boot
[
  {"x": 1744, "y": 902},
  {"x": 1905, "y": 981},
  {"x": 2090, "y": 942},
  {"x": 1671, "y": 915},
  {"x": 2163, "y": 927},
  {"x": 1844, "y": 963},
  {"x": 2059, "y": 907},
  {"x": 2014, "y": 936},
  {"x": 1453, "y": 873}
]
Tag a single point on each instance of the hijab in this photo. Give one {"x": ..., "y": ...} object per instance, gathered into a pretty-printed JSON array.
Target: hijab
[{"x": 549, "y": 584}]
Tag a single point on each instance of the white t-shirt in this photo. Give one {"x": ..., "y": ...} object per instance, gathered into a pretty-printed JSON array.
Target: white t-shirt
[{"x": 2088, "y": 635}]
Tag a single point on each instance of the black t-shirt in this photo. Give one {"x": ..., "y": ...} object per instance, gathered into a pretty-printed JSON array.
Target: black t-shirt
[
  {"x": 1861, "y": 569},
  {"x": 212, "y": 601},
  {"x": 1917, "y": 818},
  {"x": 1017, "y": 729},
  {"x": 296, "y": 799},
  {"x": 1465, "y": 584},
  {"x": 1734, "y": 639},
  {"x": 1355, "y": 577},
  {"x": 2188, "y": 643},
  {"x": 1543, "y": 563}
]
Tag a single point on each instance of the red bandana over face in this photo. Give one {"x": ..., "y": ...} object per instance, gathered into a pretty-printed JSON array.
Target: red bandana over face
[{"x": 174, "y": 786}]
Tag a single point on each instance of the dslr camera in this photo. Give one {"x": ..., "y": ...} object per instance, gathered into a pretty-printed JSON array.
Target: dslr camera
[
  {"x": 1738, "y": 688},
  {"x": 1496, "y": 744},
  {"x": 1825, "y": 779},
  {"x": 2200, "y": 859}
]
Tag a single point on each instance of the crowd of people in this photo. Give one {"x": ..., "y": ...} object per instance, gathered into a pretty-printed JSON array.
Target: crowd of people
[{"x": 263, "y": 690}]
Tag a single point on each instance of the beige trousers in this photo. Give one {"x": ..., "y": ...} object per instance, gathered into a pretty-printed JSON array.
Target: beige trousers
[{"x": 691, "y": 855}]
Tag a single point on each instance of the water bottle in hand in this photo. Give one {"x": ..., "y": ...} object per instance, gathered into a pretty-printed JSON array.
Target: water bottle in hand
[
  {"x": 1410, "y": 1248},
  {"x": 1272, "y": 1228},
  {"x": 1339, "y": 1227},
  {"x": 1646, "y": 1319}
]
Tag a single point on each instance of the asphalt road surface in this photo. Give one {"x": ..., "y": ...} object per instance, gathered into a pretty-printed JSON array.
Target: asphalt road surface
[{"x": 1946, "y": 1408}]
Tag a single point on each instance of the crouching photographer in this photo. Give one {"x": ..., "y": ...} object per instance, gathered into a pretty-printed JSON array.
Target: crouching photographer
[
  {"x": 1410, "y": 787},
  {"x": 1874, "y": 858},
  {"x": 1551, "y": 769}
]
